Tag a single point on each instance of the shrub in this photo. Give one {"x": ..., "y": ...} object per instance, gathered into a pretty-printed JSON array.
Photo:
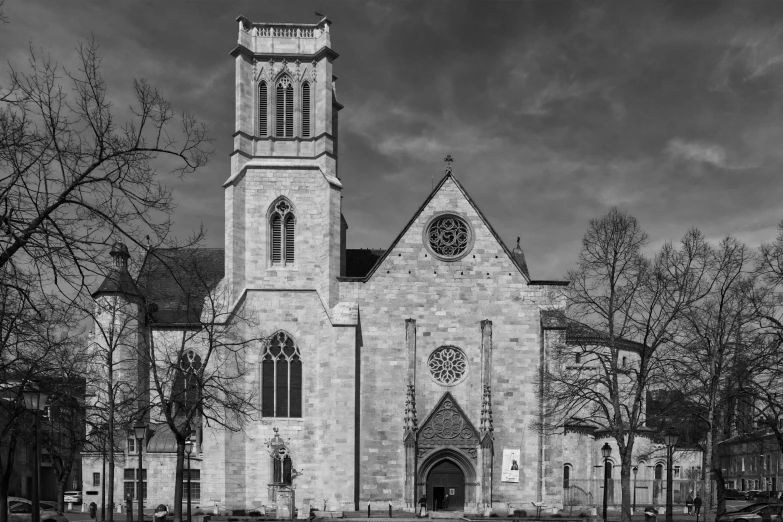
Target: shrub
[
  {"x": 238, "y": 512},
  {"x": 520, "y": 513},
  {"x": 557, "y": 515},
  {"x": 495, "y": 515},
  {"x": 198, "y": 512},
  {"x": 254, "y": 513}
]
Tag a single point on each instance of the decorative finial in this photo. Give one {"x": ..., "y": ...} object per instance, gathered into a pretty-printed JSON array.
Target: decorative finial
[
  {"x": 448, "y": 159},
  {"x": 518, "y": 244}
]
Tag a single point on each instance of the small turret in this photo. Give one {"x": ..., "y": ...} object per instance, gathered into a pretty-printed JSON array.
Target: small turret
[
  {"x": 118, "y": 280},
  {"x": 519, "y": 257}
]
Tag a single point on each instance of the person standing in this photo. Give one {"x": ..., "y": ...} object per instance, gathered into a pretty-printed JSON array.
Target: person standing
[
  {"x": 697, "y": 505},
  {"x": 689, "y": 503},
  {"x": 423, "y": 506}
]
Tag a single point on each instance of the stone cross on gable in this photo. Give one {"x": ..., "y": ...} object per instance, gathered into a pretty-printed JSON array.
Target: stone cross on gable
[{"x": 449, "y": 160}]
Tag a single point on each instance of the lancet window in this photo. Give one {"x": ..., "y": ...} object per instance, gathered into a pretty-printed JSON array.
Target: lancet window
[
  {"x": 281, "y": 377},
  {"x": 263, "y": 105},
  {"x": 282, "y": 225},
  {"x": 306, "y": 110},
  {"x": 284, "y": 101}
]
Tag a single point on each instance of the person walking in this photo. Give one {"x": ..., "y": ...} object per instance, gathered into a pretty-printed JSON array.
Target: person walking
[
  {"x": 689, "y": 503},
  {"x": 423, "y": 506},
  {"x": 697, "y": 505}
]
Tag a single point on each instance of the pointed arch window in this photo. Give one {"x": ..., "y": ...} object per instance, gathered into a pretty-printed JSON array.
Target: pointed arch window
[
  {"x": 186, "y": 392},
  {"x": 284, "y": 101},
  {"x": 306, "y": 110},
  {"x": 281, "y": 377},
  {"x": 263, "y": 101},
  {"x": 282, "y": 228}
]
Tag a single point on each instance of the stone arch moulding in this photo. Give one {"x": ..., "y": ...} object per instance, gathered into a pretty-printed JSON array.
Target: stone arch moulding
[
  {"x": 458, "y": 457},
  {"x": 448, "y": 434}
]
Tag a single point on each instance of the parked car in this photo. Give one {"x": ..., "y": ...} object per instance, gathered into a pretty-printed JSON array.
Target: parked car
[
  {"x": 767, "y": 496},
  {"x": 753, "y": 513},
  {"x": 74, "y": 497},
  {"x": 751, "y": 493},
  {"x": 21, "y": 510},
  {"x": 50, "y": 505},
  {"x": 735, "y": 494}
]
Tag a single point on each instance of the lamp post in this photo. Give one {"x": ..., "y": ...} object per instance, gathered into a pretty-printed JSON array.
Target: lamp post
[
  {"x": 635, "y": 471},
  {"x": 188, "y": 451},
  {"x": 670, "y": 439},
  {"x": 140, "y": 431},
  {"x": 606, "y": 451},
  {"x": 35, "y": 401}
]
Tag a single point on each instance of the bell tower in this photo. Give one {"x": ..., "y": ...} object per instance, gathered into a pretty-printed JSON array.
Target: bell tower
[{"x": 283, "y": 210}]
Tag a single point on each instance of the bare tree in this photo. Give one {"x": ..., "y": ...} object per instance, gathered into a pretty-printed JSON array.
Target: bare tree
[
  {"x": 73, "y": 175},
  {"x": 198, "y": 372},
  {"x": 713, "y": 353},
  {"x": 622, "y": 309}
]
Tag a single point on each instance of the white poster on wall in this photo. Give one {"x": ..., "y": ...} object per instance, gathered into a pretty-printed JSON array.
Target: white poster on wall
[{"x": 510, "y": 471}]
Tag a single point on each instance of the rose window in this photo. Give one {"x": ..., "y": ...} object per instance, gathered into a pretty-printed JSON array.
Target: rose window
[
  {"x": 448, "y": 365},
  {"x": 448, "y": 236}
]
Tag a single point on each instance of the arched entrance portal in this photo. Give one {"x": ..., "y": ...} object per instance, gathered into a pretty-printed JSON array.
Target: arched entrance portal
[{"x": 446, "y": 487}]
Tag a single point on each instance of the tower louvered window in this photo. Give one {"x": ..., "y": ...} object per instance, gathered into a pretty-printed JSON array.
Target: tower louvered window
[
  {"x": 306, "y": 110},
  {"x": 285, "y": 108},
  {"x": 281, "y": 377},
  {"x": 263, "y": 96},
  {"x": 282, "y": 225},
  {"x": 289, "y": 238}
]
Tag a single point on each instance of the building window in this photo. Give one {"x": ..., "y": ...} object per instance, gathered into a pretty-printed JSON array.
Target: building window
[
  {"x": 131, "y": 446},
  {"x": 578, "y": 358},
  {"x": 195, "y": 483},
  {"x": 305, "y": 110},
  {"x": 448, "y": 237},
  {"x": 448, "y": 365},
  {"x": 185, "y": 392},
  {"x": 659, "y": 472},
  {"x": 281, "y": 378},
  {"x": 566, "y": 476},
  {"x": 284, "y": 126},
  {"x": 676, "y": 472},
  {"x": 96, "y": 479},
  {"x": 282, "y": 470},
  {"x": 282, "y": 224},
  {"x": 263, "y": 97},
  {"x": 130, "y": 482},
  {"x": 625, "y": 362}
]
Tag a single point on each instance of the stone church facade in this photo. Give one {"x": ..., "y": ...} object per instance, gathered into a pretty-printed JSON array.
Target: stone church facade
[{"x": 388, "y": 375}]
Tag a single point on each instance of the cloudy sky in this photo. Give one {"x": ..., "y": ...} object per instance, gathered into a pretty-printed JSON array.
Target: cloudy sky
[{"x": 554, "y": 111}]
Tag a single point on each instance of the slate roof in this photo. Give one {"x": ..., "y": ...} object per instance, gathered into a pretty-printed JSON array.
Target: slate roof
[
  {"x": 359, "y": 261},
  {"x": 176, "y": 281},
  {"x": 118, "y": 282}
]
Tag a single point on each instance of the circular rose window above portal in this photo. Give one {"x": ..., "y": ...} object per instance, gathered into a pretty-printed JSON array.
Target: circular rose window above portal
[
  {"x": 448, "y": 365},
  {"x": 448, "y": 237}
]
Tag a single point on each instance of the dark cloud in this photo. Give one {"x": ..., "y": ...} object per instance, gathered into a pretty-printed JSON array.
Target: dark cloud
[{"x": 554, "y": 111}]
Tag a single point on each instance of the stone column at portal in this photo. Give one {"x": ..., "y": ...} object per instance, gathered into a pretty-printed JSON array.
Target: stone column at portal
[
  {"x": 411, "y": 422},
  {"x": 486, "y": 449}
]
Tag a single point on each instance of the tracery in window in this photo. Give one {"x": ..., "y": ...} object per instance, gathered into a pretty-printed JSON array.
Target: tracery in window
[
  {"x": 305, "y": 110},
  {"x": 282, "y": 224},
  {"x": 448, "y": 236},
  {"x": 282, "y": 470},
  {"x": 448, "y": 365},
  {"x": 281, "y": 377},
  {"x": 185, "y": 392},
  {"x": 284, "y": 101},
  {"x": 566, "y": 476},
  {"x": 263, "y": 102}
]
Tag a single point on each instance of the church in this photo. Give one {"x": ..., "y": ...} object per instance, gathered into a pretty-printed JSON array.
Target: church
[{"x": 386, "y": 375}]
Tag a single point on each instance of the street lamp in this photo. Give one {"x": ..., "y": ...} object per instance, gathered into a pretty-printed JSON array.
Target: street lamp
[
  {"x": 670, "y": 439},
  {"x": 35, "y": 401},
  {"x": 635, "y": 471},
  {"x": 188, "y": 451},
  {"x": 606, "y": 451},
  {"x": 140, "y": 431}
]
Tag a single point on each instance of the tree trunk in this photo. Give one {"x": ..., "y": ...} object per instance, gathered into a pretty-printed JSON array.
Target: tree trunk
[
  {"x": 178, "y": 482},
  {"x": 4, "y": 498},
  {"x": 625, "y": 478}
]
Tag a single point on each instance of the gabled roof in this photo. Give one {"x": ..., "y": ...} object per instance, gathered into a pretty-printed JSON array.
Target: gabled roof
[
  {"x": 175, "y": 282},
  {"x": 421, "y": 208}
]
